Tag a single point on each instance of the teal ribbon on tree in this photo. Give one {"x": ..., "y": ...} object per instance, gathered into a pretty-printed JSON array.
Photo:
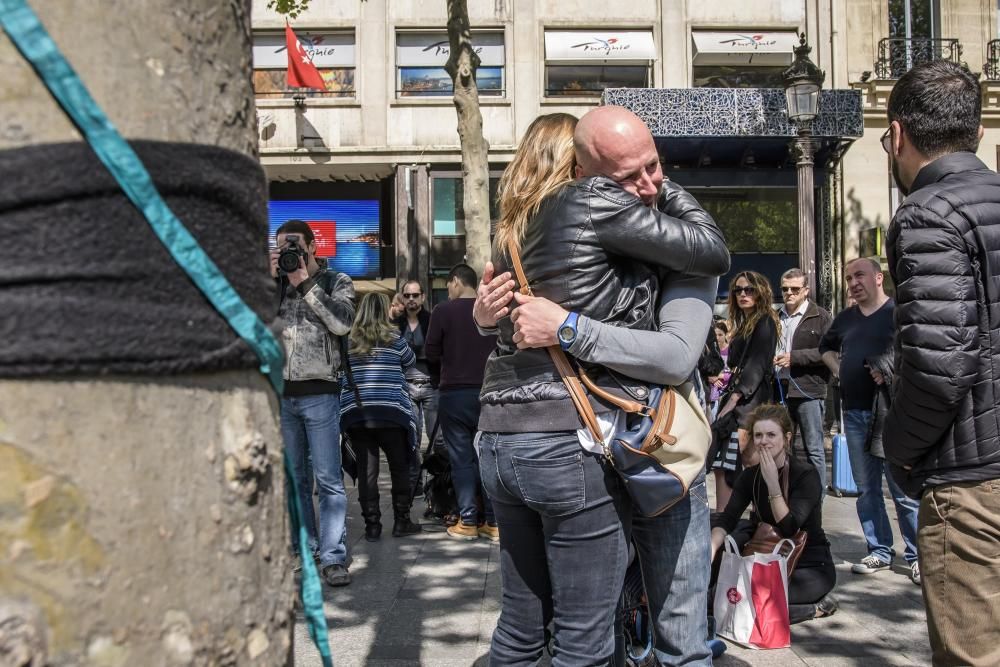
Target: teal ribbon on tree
[{"x": 21, "y": 23}]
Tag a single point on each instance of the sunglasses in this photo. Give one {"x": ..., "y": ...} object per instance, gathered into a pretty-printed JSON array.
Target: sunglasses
[
  {"x": 749, "y": 290},
  {"x": 886, "y": 140},
  {"x": 413, "y": 296},
  {"x": 793, "y": 290}
]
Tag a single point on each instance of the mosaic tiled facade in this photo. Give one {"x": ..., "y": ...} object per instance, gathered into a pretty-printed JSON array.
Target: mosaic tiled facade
[{"x": 745, "y": 112}]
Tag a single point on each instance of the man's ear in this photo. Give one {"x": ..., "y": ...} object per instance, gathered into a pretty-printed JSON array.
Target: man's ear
[
  {"x": 981, "y": 132},
  {"x": 897, "y": 137},
  {"x": 578, "y": 170}
]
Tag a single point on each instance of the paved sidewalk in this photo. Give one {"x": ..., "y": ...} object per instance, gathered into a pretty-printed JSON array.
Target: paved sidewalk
[{"x": 430, "y": 600}]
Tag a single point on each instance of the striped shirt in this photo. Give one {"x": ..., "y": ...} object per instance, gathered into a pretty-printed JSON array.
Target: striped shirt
[{"x": 379, "y": 376}]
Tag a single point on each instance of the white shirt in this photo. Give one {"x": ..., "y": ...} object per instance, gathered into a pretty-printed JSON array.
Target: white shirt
[{"x": 789, "y": 323}]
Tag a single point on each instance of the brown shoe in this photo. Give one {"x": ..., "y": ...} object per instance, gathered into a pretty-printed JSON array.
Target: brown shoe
[
  {"x": 464, "y": 531},
  {"x": 490, "y": 532}
]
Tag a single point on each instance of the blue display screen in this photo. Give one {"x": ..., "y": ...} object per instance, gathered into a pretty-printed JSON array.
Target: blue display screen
[{"x": 347, "y": 231}]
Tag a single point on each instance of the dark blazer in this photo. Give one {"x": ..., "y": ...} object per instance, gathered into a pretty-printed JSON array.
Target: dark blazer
[
  {"x": 423, "y": 318},
  {"x": 807, "y": 369},
  {"x": 943, "y": 249},
  {"x": 754, "y": 377}
]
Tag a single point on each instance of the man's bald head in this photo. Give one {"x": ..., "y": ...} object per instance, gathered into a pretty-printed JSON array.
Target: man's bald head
[{"x": 612, "y": 141}]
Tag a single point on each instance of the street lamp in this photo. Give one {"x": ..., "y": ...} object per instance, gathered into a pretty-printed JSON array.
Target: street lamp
[{"x": 803, "y": 81}]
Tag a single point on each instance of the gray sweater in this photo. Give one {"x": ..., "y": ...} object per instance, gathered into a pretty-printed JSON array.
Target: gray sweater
[{"x": 668, "y": 356}]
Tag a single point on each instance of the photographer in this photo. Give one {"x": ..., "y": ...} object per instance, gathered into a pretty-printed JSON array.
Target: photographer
[{"x": 317, "y": 308}]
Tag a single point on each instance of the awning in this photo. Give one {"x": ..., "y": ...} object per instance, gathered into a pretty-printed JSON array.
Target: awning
[
  {"x": 763, "y": 49},
  {"x": 327, "y": 49},
  {"x": 589, "y": 45},
  {"x": 430, "y": 49}
]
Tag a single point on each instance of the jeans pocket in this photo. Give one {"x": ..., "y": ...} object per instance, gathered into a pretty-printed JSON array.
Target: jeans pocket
[
  {"x": 551, "y": 486},
  {"x": 699, "y": 493}
]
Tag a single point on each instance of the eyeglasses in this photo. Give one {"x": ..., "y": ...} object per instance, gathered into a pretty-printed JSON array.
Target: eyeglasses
[
  {"x": 413, "y": 296},
  {"x": 749, "y": 290},
  {"x": 886, "y": 140},
  {"x": 792, "y": 290}
]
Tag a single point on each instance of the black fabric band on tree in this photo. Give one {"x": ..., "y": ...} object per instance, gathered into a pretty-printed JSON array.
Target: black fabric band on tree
[{"x": 87, "y": 288}]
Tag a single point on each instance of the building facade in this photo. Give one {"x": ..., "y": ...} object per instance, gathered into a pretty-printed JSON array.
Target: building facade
[{"x": 378, "y": 154}]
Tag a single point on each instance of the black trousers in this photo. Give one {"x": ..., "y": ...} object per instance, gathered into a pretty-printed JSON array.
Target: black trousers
[{"x": 394, "y": 442}]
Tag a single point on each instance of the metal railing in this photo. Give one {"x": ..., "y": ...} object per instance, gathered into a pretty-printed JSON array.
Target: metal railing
[
  {"x": 898, "y": 55},
  {"x": 991, "y": 68}
]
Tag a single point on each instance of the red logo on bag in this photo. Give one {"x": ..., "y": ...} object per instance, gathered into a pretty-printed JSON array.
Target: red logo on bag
[{"x": 733, "y": 595}]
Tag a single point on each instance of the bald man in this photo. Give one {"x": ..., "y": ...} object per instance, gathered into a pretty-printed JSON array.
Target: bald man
[{"x": 617, "y": 158}]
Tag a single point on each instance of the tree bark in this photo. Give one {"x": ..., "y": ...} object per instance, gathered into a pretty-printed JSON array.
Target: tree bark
[
  {"x": 462, "y": 65},
  {"x": 142, "y": 519}
]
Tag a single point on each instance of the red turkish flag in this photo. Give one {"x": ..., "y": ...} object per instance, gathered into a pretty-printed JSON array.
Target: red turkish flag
[{"x": 301, "y": 71}]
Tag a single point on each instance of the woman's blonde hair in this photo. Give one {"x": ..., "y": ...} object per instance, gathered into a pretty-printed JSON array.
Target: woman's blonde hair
[
  {"x": 371, "y": 324},
  {"x": 543, "y": 163},
  {"x": 741, "y": 324}
]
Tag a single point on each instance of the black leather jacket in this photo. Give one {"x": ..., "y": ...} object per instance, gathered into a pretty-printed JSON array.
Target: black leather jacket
[{"x": 594, "y": 249}]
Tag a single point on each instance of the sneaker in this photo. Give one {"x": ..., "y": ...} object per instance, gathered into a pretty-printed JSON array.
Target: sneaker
[
  {"x": 464, "y": 531},
  {"x": 870, "y": 564},
  {"x": 336, "y": 575},
  {"x": 490, "y": 532},
  {"x": 915, "y": 572}
]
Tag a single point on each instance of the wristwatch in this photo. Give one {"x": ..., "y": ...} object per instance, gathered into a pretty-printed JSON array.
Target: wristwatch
[{"x": 567, "y": 331}]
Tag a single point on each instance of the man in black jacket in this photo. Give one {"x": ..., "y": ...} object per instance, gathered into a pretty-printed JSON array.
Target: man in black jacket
[
  {"x": 421, "y": 378},
  {"x": 801, "y": 372},
  {"x": 942, "y": 433}
]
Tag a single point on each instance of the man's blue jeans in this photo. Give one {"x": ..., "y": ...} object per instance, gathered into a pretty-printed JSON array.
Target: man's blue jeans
[
  {"x": 458, "y": 410},
  {"x": 807, "y": 413},
  {"x": 563, "y": 519},
  {"x": 310, "y": 427},
  {"x": 868, "y": 473},
  {"x": 675, "y": 552}
]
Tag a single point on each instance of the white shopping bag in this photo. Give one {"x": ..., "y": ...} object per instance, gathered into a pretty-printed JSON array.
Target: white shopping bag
[{"x": 751, "y": 598}]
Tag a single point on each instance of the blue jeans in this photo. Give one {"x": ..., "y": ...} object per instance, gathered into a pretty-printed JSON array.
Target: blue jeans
[
  {"x": 808, "y": 413},
  {"x": 310, "y": 427},
  {"x": 563, "y": 521},
  {"x": 675, "y": 552},
  {"x": 458, "y": 410},
  {"x": 868, "y": 472}
]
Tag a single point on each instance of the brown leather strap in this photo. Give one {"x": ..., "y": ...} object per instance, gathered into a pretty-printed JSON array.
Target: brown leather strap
[{"x": 568, "y": 374}]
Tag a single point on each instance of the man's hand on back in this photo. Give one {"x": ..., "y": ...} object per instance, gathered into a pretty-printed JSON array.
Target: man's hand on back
[
  {"x": 536, "y": 321},
  {"x": 492, "y": 298}
]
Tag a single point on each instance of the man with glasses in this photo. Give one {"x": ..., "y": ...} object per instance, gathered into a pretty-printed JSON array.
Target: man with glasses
[
  {"x": 421, "y": 378},
  {"x": 801, "y": 372},
  {"x": 942, "y": 433},
  {"x": 866, "y": 330}
]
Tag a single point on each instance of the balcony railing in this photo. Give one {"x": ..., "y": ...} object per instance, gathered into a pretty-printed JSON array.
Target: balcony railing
[
  {"x": 897, "y": 56},
  {"x": 991, "y": 68}
]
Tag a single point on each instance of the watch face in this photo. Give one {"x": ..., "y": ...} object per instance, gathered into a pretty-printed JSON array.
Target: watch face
[{"x": 567, "y": 334}]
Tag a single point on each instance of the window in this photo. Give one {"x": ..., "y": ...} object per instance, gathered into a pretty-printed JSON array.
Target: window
[
  {"x": 448, "y": 216},
  {"x": 582, "y": 63},
  {"x": 448, "y": 219},
  {"x": 914, "y": 26},
  {"x": 753, "y": 59},
  {"x": 421, "y": 57},
  {"x": 331, "y": 52}
]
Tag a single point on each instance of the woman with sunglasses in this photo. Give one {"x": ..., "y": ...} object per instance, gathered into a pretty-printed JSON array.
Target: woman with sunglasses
[{"x": 753, "y": 328}]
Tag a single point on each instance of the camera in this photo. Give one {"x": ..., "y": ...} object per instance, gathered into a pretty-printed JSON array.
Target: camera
[{"x": 288, "y": 258}]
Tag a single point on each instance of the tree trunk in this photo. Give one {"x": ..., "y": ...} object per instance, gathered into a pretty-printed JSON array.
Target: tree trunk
[
  {"x": 142, "y": 519},
  {"x": 462, "y": 65}
]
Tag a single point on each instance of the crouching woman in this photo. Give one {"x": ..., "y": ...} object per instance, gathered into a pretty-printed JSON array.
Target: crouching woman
[{"x": 798, "y": 508}]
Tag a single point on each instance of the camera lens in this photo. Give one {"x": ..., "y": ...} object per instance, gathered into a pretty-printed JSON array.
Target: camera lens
[{"x": 288, "y": 260}]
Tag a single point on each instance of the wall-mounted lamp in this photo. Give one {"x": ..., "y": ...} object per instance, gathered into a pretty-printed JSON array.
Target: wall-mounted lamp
[{"x": 300, "y": 101}]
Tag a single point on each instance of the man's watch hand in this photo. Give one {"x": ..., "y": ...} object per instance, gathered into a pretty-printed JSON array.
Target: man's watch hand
[{"x": 536, "y": 321}]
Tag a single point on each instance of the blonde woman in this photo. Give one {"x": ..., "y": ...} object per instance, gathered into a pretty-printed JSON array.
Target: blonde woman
[
  {"x": 559, "y": 507},
  {"x": 384, "y": 417}
]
